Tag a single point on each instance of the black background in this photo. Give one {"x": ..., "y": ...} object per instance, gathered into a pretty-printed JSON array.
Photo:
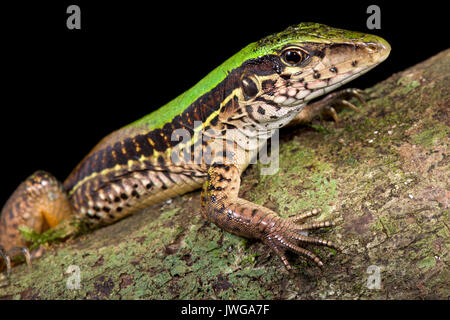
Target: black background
[{"x": 63, "y": 90}]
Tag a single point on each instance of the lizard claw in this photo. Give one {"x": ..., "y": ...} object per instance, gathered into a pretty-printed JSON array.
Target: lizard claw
[
  {"x": 289, "y": 234},
  {"x": 6, "y": 258},
  {"x": 15, "y": 251},
  {"x": 339, "y": 100},
  {"x": 331, "y": 112}
]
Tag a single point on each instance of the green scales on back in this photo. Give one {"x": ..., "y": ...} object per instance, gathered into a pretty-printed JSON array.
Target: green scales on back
[{"x": 304, "y": 32}]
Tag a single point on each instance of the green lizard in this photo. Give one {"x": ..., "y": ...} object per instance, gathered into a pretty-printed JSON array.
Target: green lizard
[{"x": 202, "y": 138}]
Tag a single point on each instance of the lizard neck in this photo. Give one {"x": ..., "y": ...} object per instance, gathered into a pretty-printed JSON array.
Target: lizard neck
[{"x": 148, "y": 144}]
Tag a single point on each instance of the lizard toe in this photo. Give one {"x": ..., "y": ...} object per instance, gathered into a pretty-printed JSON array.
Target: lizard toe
[{"x": 14, "y": 252}]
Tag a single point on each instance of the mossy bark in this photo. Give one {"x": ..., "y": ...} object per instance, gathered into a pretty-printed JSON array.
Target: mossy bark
[{"x": 381, "y": 174}]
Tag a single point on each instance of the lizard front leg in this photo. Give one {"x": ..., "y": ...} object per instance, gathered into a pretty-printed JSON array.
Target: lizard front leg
[{"x": 221, "y": 205}]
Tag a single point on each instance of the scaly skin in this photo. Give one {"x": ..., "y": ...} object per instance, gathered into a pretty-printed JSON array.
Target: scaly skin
[{"x": 206, "y": 137}]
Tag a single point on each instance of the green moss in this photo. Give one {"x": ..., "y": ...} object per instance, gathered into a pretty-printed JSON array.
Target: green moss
[
  {"x": 386, "y": 225},
  {"x": 352, "y": 162},
  {"x": 302, "y": 183},
  {"x": 37, "y": 239},
  {"x": 249, "y": 260},
  {"x": 427, "y": 263},
  {"x": 408, "y": 84},
  {"x": 430, "y": 137},
  {"x": 321, "y": 129}
]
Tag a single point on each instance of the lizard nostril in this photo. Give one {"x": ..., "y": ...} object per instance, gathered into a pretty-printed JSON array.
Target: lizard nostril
[{"x": 373, "y": 47}]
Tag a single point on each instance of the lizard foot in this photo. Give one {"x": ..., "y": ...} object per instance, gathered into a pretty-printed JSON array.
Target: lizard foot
[
  {"x": 290, "y": 234},
  {"x": 14, "y": 251},
  {"x": 328, "y": 107},
  {"x": 221, "y": 205},
  {"x": 336, "y": 101}
]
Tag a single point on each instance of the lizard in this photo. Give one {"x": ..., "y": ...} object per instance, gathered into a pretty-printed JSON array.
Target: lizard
[{"x": 201, "y": 140}]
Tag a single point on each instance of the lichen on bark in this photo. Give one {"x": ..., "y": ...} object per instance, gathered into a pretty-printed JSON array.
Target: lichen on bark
[{"x": 381, "y": 174}]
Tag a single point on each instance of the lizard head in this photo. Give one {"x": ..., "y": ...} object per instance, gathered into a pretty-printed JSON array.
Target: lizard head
[{"x": 287, "y": 69}]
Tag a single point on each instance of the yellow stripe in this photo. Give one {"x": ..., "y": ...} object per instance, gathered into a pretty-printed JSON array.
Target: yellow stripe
[
  {"x": 153, "y": 158},
  {"x": 235, "y": 92}
]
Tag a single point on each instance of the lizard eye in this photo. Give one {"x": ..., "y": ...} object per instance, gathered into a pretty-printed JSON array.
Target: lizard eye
[{"x": 293, "y": 56}]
